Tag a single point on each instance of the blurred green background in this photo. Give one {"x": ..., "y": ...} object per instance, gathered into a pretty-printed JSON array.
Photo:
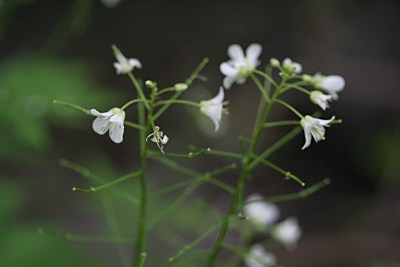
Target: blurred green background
[{"x": 62, "y": 50}]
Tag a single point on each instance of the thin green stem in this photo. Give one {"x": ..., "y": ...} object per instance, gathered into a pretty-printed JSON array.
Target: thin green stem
[
  {"x": 282, "y": 171},
  {"x": 73, "y": 106},
  {"x": 194, "y": 243},
  {"x": 280, "y": 123},
  {"x": 86, "y": 238},
  {"x": 132, "y": 102},
  {"x": 178, "y": 101},
  {"x": 276, "y": 146},
  {"x": 298, "y": 114},
  {"x": 114, "y": 182},
  {"x": 267, "y": 77},
  {"x": 142, "y": 231},
  {"x": 260, "y": 87},
  {"x": 301, "y": 194},
  {"x": 86, "y": 173},
  {"x": 226, "y": 154},
  {"x": 188, "y": 81},
  {"x": 237, "y": 197},
  {"x": 139, "y": 89}
]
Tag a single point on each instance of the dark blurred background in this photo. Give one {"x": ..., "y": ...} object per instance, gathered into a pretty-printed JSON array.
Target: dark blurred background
[{"x": 62, "y": 50}]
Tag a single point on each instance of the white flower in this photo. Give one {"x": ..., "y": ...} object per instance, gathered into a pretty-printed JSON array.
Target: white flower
[
  {"x": 112, "y": 121},
  {"x": 260, "y": 213},
  {"x": 287, "y": 232},
  {"x": 291, "y": 67},
  {"x": 320, "y": 99},
  {"x": 213, "y": 108},
  {"x": 159, "y": 138},
  {"x": 259, "y": 257},
  {"x": 240, "y": 66},
  {"x": 124, "y": 65},
  {"x": 315, "y": 128},
  {"x": 332, "y": 84}
]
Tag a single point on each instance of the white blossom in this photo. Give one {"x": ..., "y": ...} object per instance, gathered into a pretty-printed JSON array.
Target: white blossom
[
  {"x": 261, "y": 213},
  {"x": 112, "y": 121},
  {"x": 287, "y": 232},
  {"x": 320, "y": 99},
  {"x": 291, "y": 67},
  {"x": 315, "y": 128},
  {"x": 124, "y": 65},
  {"x": 331, "y": 84},
  {"x": 240, "y": 66},
  {"x": 159, "y": 138},
  {"x": 213, "y": 108},
  {"x": 259, "y": 257}
]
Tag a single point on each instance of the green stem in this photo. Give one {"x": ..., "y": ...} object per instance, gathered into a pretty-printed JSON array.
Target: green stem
[
  {"x": 85, "y": 238},
  {"x": 237, "y": 197},
  {"x": 114, "y": 182},
  {"x": 147, "y": 126},
  {"x": 194, "y": 243},
  {"x": 138, "y": 89},
  {"x": 178, "y": 101},
  {"x": 73, "y": 106},
  {"x": 260, "y": 87},
  {"x": 298, "y": 114},
  {"x": 280, "y": 123},
  {"x": 277, "y": 145},
  {"x": 132, "y": 102},
  {"x": 188, "y": 81},
  {"x": 267, "y": 77}
]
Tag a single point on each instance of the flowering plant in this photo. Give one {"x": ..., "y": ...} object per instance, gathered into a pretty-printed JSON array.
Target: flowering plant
[{"x": 255, "y": 215}]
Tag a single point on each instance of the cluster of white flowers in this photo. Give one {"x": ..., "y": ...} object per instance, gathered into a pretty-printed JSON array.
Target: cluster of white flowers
[
  {"x": 236, "y": 70},
  {"x": 263, "y": 217}
]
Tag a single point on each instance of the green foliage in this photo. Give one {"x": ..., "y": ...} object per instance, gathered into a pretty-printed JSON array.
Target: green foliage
[
  {"x": 20, "y": 243},
  {"x": 27, "y": 88}
]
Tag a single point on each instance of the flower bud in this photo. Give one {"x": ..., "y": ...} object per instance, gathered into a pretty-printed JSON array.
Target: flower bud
[{"x": 274, "y": 63}]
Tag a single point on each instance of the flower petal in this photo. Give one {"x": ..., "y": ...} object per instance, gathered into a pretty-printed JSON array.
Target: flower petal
[
  {"x": 228, "y": 81},
  {"x": 253, "y": 51},
  {"x": 235, "y": 52},
  {"x": 135, "y": 63},
  {"x": 117, "y": 133},
  {"x": 227, "y": 69},
  {"x": 333, "y": 84},
  {"x": 307, "y": 136},
  {"x": 100, "y": 125},
  {"x": 94, "y": 112}
]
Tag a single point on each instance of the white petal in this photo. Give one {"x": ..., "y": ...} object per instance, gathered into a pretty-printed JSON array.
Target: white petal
[
  {"x": 118, "y": 67},
  {"x": 135, "y": 63},
  {"x": 253, "y": 51},
  {"x": 297, "y": 68},
  {"x": 326, "y": 122},
  {"x": 213, "y": 108},
  {"x": 259, "y": 257},
  {"x": 219, "y": 98},
  {"x": 261, "y": 213},
  {"x": 288, "y": 232},
  {"x": 116, "y": 132},
  {"x": 118, "y": 118},
  {"x": 307, "y": 136},
  {"x": 333, "y": 84},
  {"x": 94, "y": 112},
  {"x": 235, "y": 52},
  {"x": 228, "y": 81},
  {"x": 164, "y": 140},
  {"x": 227, "y": 69},
  {"x": 100, "y": 125}
]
